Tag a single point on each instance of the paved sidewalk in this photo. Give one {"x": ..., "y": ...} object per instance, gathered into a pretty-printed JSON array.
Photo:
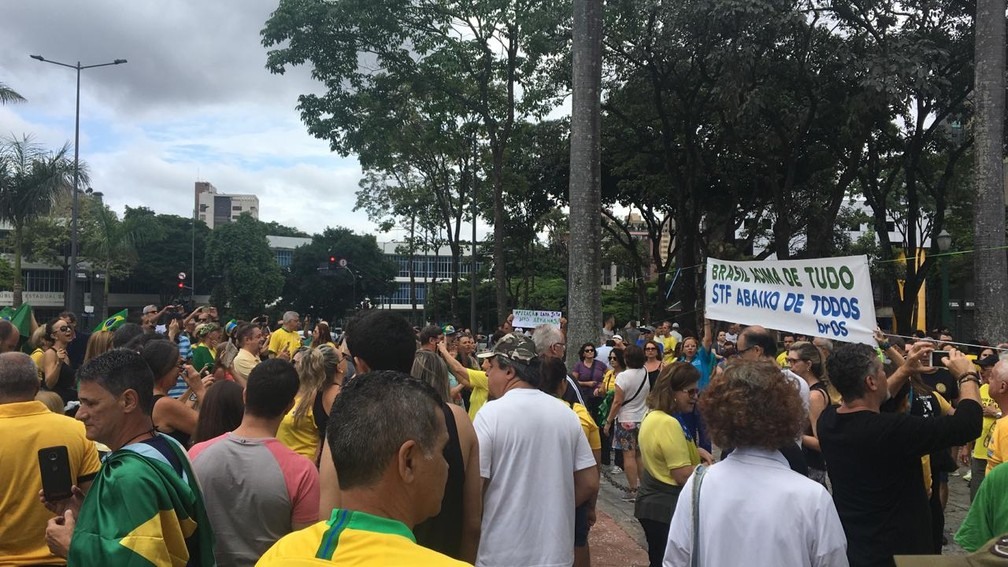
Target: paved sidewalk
[{"x": 616, "y": 540}]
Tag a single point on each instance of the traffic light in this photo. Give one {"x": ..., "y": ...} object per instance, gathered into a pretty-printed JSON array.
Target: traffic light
[
  {"x": 181, "y": 285},
  {"x": 181, "y": 280}
]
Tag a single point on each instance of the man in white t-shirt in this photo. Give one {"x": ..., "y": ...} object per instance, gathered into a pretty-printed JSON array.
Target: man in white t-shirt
[{"x": 535, "y": 463}]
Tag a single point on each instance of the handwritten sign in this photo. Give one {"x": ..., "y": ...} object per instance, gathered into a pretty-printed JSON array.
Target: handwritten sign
[
  {"x": 824, "y": 297},
  {"x": 530, "y": 318}
]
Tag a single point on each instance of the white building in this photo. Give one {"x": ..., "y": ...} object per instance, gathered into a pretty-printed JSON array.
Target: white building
[{"x": 216, "y": 208}]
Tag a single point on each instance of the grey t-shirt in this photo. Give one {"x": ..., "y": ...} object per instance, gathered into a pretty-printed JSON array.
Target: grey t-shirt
[{"x": 255, "y": 490}]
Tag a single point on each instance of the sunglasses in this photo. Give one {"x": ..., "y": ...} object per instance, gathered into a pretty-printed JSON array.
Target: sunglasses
[
  {"x": 692, "y": 392},
  {"x": 588, "y": 350},
  {"x": 65, "y": 329},
  {"x": 793, "y": 360}
]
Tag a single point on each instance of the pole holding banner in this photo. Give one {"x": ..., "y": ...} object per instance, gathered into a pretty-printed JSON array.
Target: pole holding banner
[{"x": 823, "y": 297}]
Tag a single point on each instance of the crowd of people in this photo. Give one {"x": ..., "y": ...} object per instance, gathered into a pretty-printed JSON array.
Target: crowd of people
[{"x": 194, "y": 441}]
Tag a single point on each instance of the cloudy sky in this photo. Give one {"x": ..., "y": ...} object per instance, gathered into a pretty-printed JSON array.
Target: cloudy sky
[{"x": 194, "y": 102}]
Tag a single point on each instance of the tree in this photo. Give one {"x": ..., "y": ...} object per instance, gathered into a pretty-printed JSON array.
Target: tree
[
  {"x": 989, "y": 264},
  {"x": 109, "y": 244},
  {"x": 168, "y": 243},
  {"x": 498, "y": 60},
  {"x": 8, "y": 94},
  {"x": 249, "y": 278},
  {"x": 30, "y": 179},
  {"x": 314, "y": 287}
]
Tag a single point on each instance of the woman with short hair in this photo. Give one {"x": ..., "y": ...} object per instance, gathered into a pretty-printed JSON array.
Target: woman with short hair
[
  {"x": 751, "y": 508},
  {"x": 668, "y": 452}
]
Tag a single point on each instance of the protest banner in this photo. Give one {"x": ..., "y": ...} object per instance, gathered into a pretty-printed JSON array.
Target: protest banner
[
  {"x": 822, "y": 297},
  {"x": 530, "y": 318}
]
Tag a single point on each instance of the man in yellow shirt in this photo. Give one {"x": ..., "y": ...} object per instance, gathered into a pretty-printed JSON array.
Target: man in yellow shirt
[
  {"x": 25, "y": 427},
  {"x": 398, "y": 482},
  {"x": 285, "y": 341},
  {"x": 997, "y": 440}
]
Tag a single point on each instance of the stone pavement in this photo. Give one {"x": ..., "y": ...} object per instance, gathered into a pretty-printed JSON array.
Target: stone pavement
[{"x": 617, "y": 540}]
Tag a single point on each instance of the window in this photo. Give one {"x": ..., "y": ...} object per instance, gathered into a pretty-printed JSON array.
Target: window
[
  {"x": 236, "y": 208},
  {"x": 43, "y": 280}
]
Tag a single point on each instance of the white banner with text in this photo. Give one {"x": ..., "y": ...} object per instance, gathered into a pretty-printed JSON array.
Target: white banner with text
[
  {"x": 822, "y": 297},
  {"x": 530, "y": 318}
]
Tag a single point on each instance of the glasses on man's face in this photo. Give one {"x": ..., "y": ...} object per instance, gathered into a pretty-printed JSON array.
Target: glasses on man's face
[{"x": 745, "y": 350}]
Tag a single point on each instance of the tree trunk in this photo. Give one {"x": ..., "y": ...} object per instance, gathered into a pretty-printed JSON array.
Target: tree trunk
[
  {"x": 584, "y": 295},
  {"x": 500, "y": 277},
  {"x": 990, "y": 267},
  {"x": 18, "y": 285}
]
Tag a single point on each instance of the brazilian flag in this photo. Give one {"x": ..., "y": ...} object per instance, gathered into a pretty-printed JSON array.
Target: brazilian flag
[
  {"x": 139, "y": 511},
  {"x": 113, "y": 322},
  {"x": 21, "y": 318}
]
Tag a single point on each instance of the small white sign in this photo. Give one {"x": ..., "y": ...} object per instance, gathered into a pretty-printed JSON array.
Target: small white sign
[{"x": 530, "y": 318}]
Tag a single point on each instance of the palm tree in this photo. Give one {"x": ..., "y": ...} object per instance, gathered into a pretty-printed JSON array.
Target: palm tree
[
  {"x": 109, "y": 243},
  {"x": 8, "y": 94},
  {"x": 30, "y": 179}
]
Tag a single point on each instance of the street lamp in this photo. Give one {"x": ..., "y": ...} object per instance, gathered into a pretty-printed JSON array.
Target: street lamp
[
  {"x": 70, "y": 296},
  {"x": 944, "y": 241}
]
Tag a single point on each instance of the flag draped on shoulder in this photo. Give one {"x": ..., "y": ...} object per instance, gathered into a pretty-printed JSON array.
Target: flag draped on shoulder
[{"x": 139, "y": 511}]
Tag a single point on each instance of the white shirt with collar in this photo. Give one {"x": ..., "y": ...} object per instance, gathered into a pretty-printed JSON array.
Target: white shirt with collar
[{"x": 756, "y": 511}]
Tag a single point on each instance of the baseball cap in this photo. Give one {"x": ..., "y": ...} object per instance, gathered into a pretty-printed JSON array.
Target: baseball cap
[
  {"x": 513, "y": 346},
  {"x": 449, "y": 330},
  {"x": 675, "y": 325},
  {"x": 994, "y": 552},
  {"x": 617, "y": 338},
  {"x": 646, "y": 329},
  {"x": 230, "y": 326}
]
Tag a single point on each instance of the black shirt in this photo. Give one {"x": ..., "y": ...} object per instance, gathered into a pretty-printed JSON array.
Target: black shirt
[{"x": 873, "y": 460}]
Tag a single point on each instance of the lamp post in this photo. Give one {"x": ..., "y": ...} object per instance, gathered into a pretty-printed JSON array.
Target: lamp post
[
  {"x": 944, "y": 240},
  {"x": 70, "y": 296}
]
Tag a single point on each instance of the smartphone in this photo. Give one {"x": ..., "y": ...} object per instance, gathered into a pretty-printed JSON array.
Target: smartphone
[
  {"x": 54, "y": 464},
  {"x": 937, "y": 356}
]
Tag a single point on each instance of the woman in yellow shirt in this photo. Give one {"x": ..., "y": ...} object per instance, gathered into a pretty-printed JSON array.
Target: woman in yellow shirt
[
  {"x": 668, "y": 451},
  {"x": 303, "y": 428},
  {"x": 607, "y": 390}
]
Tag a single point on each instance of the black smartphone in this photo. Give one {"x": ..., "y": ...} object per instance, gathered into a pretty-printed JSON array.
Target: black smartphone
[
  {"x": 54, "y": 464},
  {"x": 937, "y": 356}
]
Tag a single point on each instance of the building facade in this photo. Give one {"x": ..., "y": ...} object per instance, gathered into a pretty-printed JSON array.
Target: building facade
[{"x": 215, "y": 208}]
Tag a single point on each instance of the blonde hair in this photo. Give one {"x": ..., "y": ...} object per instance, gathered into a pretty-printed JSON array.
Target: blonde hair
[
  {"x": 315, "y": 370},
  {"x": 98, "y": 344},
  {"x": 428, "y": 367},
  {"x": 51, "y": 401}
]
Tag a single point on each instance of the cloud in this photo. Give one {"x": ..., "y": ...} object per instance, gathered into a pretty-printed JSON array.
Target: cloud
[{"x": 194, "y": 102}]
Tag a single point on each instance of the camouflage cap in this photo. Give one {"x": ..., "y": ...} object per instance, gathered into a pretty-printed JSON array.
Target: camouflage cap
[{"x": 513, "y": 346}]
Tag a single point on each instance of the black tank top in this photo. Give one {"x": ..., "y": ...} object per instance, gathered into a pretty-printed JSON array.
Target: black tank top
[
  {"x": 65, "y": 386},
  {"x": 177, "y": 435},
  {"x": 815, "y": 458},
  {"x": 443, "y": 533}
]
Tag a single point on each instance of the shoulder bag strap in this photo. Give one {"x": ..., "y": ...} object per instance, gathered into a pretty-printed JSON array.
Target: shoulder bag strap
[
  {"x": 639, "y": 388},
  {"x": 697, "y": 481}
]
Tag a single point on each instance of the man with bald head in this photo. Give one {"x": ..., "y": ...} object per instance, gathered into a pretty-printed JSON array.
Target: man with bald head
[
  {"x": 25, "y": 427},
  {"x": 997, "y": 440},
  {"x": 758, "y": 343},
  {"x": 9, "y": 336}
]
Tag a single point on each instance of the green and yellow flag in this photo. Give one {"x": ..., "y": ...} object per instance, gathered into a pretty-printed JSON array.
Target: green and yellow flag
[
  {"x": 140, "y": 511},
  {"x": 113, "y": 322}
]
